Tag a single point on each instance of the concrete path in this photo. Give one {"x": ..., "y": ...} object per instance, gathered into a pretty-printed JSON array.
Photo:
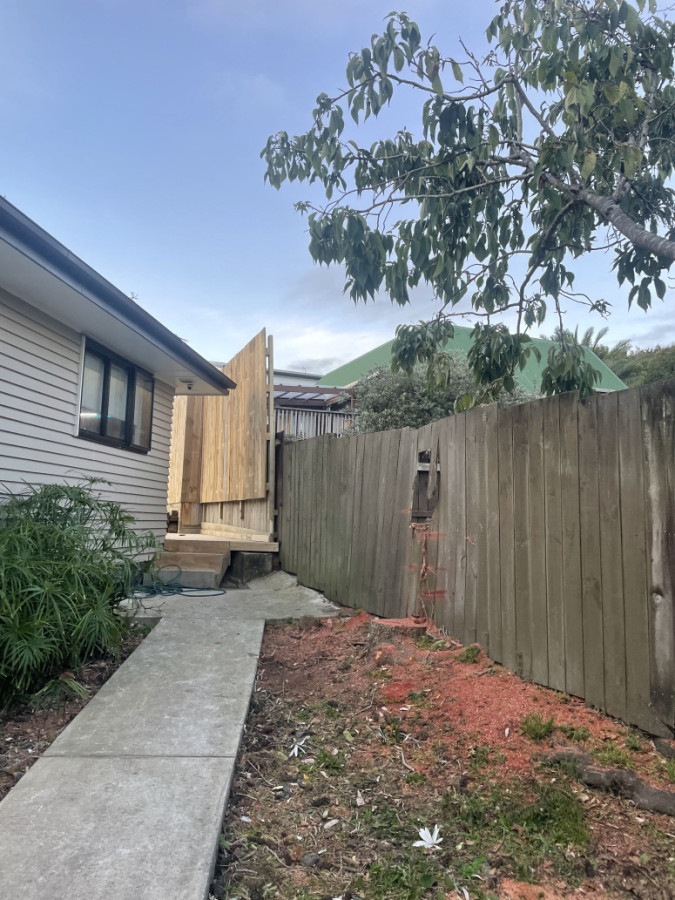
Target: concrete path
[{"x": 127, "y": 803}]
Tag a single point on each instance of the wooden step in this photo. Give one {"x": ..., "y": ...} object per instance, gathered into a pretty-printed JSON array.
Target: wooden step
[
  {"x": 196, "y": 545},
  {"x": 217, "y": 562}
]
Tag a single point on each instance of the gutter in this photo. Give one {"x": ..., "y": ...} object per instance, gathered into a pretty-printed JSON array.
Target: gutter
[{"x": 26, "y": 236}]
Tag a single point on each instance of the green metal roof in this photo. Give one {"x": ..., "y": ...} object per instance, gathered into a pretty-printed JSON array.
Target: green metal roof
[{"x": 529, "y": 378}]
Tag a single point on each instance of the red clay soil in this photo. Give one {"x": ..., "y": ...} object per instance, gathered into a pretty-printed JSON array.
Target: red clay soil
[
  {"x": 440, "y": 731},
  {"x": 482, "y": 700}
]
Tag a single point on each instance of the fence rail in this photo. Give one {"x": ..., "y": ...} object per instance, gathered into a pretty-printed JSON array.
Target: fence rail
[
  {"x": 545, "y": 532},
  {"x": 309, "y": 423}
]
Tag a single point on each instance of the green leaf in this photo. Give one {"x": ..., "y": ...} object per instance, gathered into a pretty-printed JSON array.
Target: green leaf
[
  {"x": 457, "y": 71},
  {"x": 632, "y": 19},
  {"x": 588, "y": 166}
]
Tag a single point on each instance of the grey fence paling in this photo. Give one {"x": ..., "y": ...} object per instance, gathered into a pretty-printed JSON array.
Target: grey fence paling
[{"x": 551, "y": 542}]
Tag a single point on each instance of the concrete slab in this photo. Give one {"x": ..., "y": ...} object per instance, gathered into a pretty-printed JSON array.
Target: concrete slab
[
  {"x": 184, "y": 692},
  {"x": 274, "y": 598},
  {"x": 127, "y": 803},
  {"x": 120, "y": 829}
]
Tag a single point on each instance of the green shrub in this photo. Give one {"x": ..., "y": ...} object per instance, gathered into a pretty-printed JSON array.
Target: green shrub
[{"x": 67, "y": 557}]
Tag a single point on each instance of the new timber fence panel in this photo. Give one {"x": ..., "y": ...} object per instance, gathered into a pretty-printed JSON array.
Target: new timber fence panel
[{"x": 545, "y": 531}]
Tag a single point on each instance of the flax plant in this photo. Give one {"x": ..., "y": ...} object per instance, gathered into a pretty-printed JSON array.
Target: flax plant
[{"x": 67, "y": 558}]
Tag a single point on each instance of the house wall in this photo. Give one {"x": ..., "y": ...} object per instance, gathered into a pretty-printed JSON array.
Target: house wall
[{"x": 39, "y": 398}]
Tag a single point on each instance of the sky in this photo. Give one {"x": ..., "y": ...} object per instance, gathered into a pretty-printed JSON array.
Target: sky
[{"x": 132, "y": 131}]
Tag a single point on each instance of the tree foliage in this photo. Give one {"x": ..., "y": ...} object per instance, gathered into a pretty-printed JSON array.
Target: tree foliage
[
  {"x": 557, "y": 144},
  {"x": 387, "y": 399},
  {"x": 633, "y": 365}
]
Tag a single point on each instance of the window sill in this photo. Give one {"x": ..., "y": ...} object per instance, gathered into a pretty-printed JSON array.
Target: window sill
[{"x": 113, "y": 442}]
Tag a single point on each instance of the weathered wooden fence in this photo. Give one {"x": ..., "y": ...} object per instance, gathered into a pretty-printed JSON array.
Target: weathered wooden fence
[{"x": 545, "y": 532}]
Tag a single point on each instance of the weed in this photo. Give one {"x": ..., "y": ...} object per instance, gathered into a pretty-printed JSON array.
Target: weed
[
  {"x": 381, "y": 673},
  {"x": 58, "y": 691},
  {"x": 670, "y": 771},
  {"x": 473, "y": 868},
  {"x": 304, "y": 713},
  {"x": 479, "y": 757},
  {"x": 612, "y": 755},
  {"x": 328, "y": 762},
  {"x": 529, "y": 827},
  {"x": 421, "y": 697},
  {"x": 567, "y": 766},
  {"x": 409, "y": 880},
  {"x": 577, "y": 733},
  {"x": 427, "y": 642},
  {"x": 536, "y": 728},
  {"x": 331, "y": 709},
  {"x": 385, "y": 822},
  {"x": 469, "y": 654},
  {"x": 633, "y": 742},
  {"x": 415, "y": 778},
  {"x": 391, "y": 731}
]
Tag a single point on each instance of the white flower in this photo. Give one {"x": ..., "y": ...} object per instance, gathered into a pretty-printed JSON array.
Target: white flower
[
  {"x": 430, "y": 840},
  {"x": 298, "y": 747}
]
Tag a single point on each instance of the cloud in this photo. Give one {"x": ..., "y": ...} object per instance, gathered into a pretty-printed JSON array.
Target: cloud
[
  {"x": 304, "y": 17},
  {"x": 316, "y": 366},
  {"x": 256, "y": 90}
]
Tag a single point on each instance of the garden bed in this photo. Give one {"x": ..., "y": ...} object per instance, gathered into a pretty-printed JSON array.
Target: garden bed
[
  {"x": 353, "y": 745},
  {"x": 29, "y": 729}
]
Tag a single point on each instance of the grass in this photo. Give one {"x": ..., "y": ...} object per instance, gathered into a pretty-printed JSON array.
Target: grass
[
  {"x": 610, "y": 754},
  {"x": 415, "y": 778},
  {"x": 577, "y": 733},
  {"x": 633, "y": 742},
  {"x": 670, "y": 771},
  {"x": 530, "y": 826},
  {"x": 469, "y": 654},
  {"x": 537, "y": 728},
  {"x": 331, "y": 763},
  {"x": 408, "y": 880}
]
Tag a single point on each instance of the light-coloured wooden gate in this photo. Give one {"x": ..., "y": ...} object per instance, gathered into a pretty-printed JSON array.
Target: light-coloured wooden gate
[{"x": 222, "y": 452}]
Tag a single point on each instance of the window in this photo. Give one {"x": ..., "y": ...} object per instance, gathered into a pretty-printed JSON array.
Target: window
[{"x": 116, "y": 402}]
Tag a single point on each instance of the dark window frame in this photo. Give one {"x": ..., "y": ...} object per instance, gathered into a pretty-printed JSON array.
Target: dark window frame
[{"x": 108, "y": 358}]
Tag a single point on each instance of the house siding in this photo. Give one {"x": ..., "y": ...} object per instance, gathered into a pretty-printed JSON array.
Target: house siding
[{"x": 39, "y": 398}]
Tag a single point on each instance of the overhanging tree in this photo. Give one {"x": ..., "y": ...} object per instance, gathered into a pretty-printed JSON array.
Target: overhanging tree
[{"x": 559, "y": 143}]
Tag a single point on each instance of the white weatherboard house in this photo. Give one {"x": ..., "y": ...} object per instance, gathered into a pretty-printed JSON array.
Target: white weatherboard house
[{"x": 87, "y": 377}]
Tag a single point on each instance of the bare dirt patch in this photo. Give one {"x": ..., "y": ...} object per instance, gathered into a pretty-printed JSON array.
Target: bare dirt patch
[
  {"x": 28, "y": 730},
  {"x": 356, "y": 741}
]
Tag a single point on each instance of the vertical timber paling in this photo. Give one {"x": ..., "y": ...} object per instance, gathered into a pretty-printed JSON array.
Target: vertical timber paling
[{"x": 551, "y": 541}]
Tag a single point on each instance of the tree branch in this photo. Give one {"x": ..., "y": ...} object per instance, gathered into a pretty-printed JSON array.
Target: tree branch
[{"x": 636, "y": 234}]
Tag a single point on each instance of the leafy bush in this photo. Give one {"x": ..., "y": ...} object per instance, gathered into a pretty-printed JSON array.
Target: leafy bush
[
  {"x": 386, "y": 399},
  {"x": 67, "y": 557}
]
